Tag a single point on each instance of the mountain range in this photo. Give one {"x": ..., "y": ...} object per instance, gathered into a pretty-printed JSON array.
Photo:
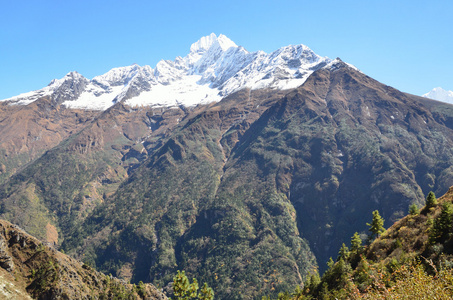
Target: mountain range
[
  {"x": 215, "y": 68},
  {"x": 247, "y": 170}
]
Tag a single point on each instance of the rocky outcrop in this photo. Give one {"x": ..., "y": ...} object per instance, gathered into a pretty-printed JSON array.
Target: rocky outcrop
[
  {"x": 41, "y": 271},
  {"x": 6, "y": 262}
]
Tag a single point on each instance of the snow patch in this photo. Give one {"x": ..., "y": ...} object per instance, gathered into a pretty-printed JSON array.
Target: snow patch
[
  {"x": 337, "y": 63},
  {"x": 89, "y": 100},
  {"x": 185, "y": 92}
]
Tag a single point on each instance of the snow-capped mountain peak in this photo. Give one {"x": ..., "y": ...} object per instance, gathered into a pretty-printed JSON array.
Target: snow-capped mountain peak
[
  {"x": 73, "y": 75},
  {"x": 337, "y": 64},
  {"x": 206, "y": 42},
  {"x": 214, "y": 68},
  {"x": 225, "y": 43},
  {"x": 117, "y": 76},
  {"x": 440, "y": 94}
]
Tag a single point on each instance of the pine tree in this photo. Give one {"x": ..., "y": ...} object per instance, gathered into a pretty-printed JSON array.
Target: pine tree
[
  {"x": 298, "y": 293},
  {"x": 431, "y": 200},
  {"x": 343, "y": 253},
  {"x": 413, "y": 209},
  {"x": 324, "y": 293},
  {"x": 356, "y": 243},
  {"x": 311, "y": 284},
  {"x": 377, "y": 225},
  {"x": 442, "y": 227},
  {"x": 330, "y": 263},
  {"x": 184, "y": 290},
  {"x": 315, "y": 279},
  {"x": 206, "y": 293},
  {"x": 363, "y": 274}
]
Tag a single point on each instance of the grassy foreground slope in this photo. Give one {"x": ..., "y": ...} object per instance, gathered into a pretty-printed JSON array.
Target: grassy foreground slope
[{"x": 412, "y": 259}]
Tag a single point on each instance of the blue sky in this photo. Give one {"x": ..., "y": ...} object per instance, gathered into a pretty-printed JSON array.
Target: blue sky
[{"x": 405, "y": 44}]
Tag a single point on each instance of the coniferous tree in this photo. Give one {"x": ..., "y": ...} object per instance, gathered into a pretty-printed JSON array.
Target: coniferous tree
[
  {"x": 431, "y": 200},
  {"x": 376, "y": 225},
  {"x": 442, "y": 226},
  {"x": 324, "y": 294},
  {"x": 330, "y": 263},
  {"x": 356, "y": 243},
  {"x": 315, "y": 279},
  {"x": 298, "y": 293},
  {"x": 312, "y": 282},
  {"x": 343, "y": 253},
  {"x": 206, "y": 293},
  {"x": 362, "y": 274},
  {"x": 184, "y": 290},
  {"x": 413, "y": 209}
]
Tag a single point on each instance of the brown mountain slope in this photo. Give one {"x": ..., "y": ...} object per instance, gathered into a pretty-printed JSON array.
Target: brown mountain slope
[
  {"x": 27, "y": 131},
  {"x": 27, "y": 266},
  {"x": 234, "y": 203},
  {"x": 71, "y": 179}
]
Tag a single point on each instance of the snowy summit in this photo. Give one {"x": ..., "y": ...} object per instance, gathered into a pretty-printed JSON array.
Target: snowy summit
[
  {"x": 214, "y": 68},
  {"x": 440, "y": 94}
]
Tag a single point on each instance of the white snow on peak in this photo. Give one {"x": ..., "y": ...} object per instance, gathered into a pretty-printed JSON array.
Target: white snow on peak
[
  {"x": 214, "y": 68},
  {"x": 206, "y": 42},
  {"x": 203, "y": 44},
  {"x": 94, "y": 98},
  {"x": 225, "y": 43},
  {"x": 185, "y": 92},
  {"x": 337, "y": 63},
  {"x": 55, "y": 84},
  {"x": 440, "y": 94}
]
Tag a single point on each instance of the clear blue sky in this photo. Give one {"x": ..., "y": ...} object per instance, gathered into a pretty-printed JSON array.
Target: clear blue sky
[{"x": 405, "y": 44}]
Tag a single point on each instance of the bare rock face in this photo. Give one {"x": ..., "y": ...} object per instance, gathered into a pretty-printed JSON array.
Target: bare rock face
[
  {"x": 6, "y": 262},
  {"x": 37, "y": 270},
  {"x": 71, "y": 88}
]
